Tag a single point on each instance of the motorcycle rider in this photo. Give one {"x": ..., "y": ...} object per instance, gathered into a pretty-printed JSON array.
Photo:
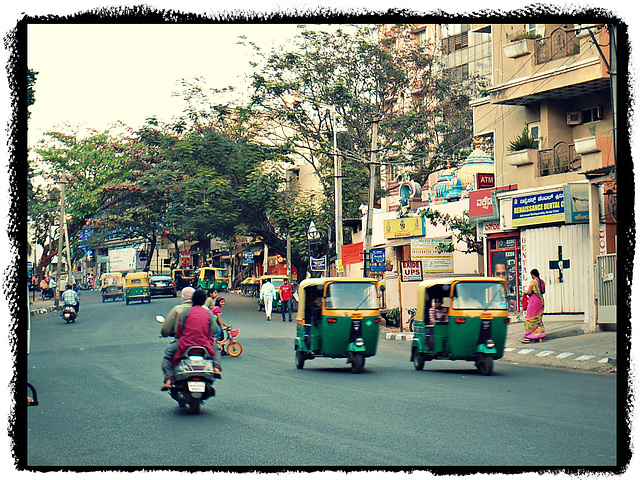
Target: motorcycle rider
[
  {"x": 196, "y": 327},
  {"x": 194, "y": 332},
  {"x": 70, "y": 297}
]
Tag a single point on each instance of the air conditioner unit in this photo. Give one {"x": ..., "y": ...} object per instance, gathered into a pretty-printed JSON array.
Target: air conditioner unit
[{"x": 574, "y": 118}]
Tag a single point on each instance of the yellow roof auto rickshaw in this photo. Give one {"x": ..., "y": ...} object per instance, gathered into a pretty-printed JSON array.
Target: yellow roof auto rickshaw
[
  {"x": 278, "y": 281},
  {"x": 137, "y": 287},
  {"x": 338, "y": 317},
  {"x": 182, "y": 277},
  {"x": 472, "y": 323},
  {"x": 212, "y": 277},
  {"x": 111, "y": 286}
]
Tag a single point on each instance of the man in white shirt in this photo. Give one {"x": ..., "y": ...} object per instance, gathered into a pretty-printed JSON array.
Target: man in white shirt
[{"x": 267, "y": 294}]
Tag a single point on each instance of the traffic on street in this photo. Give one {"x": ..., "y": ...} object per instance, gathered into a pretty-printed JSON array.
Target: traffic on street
[{"x": 100, "y": 404}]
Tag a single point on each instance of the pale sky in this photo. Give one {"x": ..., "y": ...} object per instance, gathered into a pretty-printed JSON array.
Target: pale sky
[{"x": 94, "y": 75}]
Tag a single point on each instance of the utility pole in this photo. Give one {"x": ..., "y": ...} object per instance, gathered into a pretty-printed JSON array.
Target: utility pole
[
  {"x": 62, "y": 182},
  {"x": 337, "y": 166},
  {"x": 372, "y": 180}
]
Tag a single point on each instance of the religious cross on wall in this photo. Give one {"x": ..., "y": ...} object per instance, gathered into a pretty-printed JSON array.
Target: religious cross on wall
[{"x": 559, "y": 264}]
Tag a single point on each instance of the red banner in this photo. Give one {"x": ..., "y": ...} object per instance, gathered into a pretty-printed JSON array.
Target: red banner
[{"x": 352, "y": 253}]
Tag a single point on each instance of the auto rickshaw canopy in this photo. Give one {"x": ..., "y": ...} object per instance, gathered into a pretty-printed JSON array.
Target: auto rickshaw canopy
[{"x": 137, "y": 279}]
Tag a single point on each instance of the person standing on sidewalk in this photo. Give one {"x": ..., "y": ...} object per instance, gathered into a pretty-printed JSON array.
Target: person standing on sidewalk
[
  {"x": 533, "y": 326},
  {"x": 267, "y": 294},
  {"x": 285, "y": 298}
]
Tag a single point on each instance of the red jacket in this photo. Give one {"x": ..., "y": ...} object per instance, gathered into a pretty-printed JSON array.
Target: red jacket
[{"x": 199, "y": 327}]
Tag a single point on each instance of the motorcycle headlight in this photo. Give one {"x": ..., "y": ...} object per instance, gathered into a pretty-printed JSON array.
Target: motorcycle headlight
[
  {"x": 490, "y": 343},
  {"x": 359, "y": 342}
]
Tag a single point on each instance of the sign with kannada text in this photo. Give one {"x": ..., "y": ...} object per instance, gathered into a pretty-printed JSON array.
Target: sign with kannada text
[
  {"x": 547, "y": 207},
  {"x": 404, "y": 227},
  {"x": 318, "y": 264},
  {"x": 481, "y": 205}
]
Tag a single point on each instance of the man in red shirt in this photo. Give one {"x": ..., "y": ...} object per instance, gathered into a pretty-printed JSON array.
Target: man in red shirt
[{"x": 285, "y": 298}]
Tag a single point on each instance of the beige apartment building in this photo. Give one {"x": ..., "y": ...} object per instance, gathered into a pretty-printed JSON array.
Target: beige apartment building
[{"x": 554, "y": 205}]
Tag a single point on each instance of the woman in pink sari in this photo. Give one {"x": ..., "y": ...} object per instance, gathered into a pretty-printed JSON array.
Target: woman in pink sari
[{"x": 533, "y": 326}]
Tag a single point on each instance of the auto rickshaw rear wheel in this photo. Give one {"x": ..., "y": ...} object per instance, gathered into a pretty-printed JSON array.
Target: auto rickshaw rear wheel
[
  {"x": 357, "y": 362},
  {"x": 418, "y": 360},
  {"x": 300, "y": 358},
  {"x": 484, "y": 364}
]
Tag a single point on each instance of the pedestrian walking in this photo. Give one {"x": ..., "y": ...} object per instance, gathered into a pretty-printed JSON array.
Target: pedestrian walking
[
  {"x": 267, "y": 294},
  {"x": 285, "y": 298},
  {"x": 533, "y": 326}
]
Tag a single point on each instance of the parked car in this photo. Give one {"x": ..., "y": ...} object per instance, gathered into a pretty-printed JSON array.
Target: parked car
[{"x": 162, "y": 285}]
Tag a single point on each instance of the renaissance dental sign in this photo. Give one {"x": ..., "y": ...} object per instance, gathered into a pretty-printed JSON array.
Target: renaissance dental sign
[{"x": 547, "y": 207}]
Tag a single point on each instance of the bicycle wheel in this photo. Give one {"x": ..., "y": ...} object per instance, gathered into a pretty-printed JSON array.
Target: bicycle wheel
[{"x": 234, "y": 349}]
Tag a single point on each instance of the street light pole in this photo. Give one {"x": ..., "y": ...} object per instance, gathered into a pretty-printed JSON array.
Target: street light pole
[{"x": 62, "y": 182}]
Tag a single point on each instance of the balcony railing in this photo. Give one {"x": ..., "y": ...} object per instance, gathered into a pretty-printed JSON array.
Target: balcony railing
[
  {"x": 559, "y": 44},
  {"x": 561, "y": 158}
]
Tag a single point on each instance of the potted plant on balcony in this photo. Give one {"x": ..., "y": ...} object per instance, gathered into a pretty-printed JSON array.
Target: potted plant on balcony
[
  {"x": 522, "y": 147},
  {"x": 521, "y": 43},
  {"x": 587, "y": 145}
]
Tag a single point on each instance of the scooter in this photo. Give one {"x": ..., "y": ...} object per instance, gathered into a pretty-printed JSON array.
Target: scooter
[
  {"x": 193, "y": 377},
  {"x": 412, "y": 317},
  {"x": 47, "y": 293},
  {"x": 69, "y": 313}
]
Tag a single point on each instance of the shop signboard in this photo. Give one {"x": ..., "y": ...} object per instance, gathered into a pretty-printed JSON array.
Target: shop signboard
[
  {"x": 426, "y": 251},
  {"x": 540, "y": 208},
  {"x": 411, "y": 271},
  {"x": 481, "y": 205},
  {"x": 576, "y": 203},
  {"x": 404, "y": 227}
]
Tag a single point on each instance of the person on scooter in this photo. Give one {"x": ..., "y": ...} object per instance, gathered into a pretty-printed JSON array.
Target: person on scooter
[
  {"x": 70, "y": 297},
  {"x": 169, "y": 330},
  {"x": 195, "y": 327}
]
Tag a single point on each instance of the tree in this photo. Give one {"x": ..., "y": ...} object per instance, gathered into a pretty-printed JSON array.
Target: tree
[{"x": 460, "y": 227}]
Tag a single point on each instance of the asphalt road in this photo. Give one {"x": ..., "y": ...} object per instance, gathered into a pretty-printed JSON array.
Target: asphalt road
[{"x": 101, "y": 406}]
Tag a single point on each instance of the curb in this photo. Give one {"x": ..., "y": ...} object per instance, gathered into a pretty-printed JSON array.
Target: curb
[{"x": 34, "y": 312}]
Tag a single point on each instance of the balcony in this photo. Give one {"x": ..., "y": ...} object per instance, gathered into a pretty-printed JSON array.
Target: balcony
[
  {"x": 562, "y": 158},
  {"x": 560, "y": 44}
]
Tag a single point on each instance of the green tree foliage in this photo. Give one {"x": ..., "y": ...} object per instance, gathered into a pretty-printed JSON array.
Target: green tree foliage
[{"x": 460, "y": 227}]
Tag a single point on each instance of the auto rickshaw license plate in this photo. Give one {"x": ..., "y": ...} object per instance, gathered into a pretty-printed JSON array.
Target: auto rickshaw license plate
[
  {"x": 486, "y": 316},
  {"x": 357, "y": 316},
  {"x": 196, "y": 387}
]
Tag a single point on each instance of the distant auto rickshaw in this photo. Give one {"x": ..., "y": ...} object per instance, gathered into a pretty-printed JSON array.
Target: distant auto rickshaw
[
  {"x": 182, "y": 277},
  {"x": 211, "y": 277},
  {"x": 337, "y": 318},
  {"x": 137, "y": 287},
  {"x": 278, "y": 281},
  {"x": 111, "y": 286},
  {"x": 471, "y": 324}
]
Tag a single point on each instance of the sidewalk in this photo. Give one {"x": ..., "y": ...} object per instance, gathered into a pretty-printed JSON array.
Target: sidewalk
[{"x": 566, "y": 346}]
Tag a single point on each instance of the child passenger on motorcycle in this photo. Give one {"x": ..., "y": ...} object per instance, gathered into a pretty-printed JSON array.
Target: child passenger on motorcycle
[{"x": 197, "y": 329}]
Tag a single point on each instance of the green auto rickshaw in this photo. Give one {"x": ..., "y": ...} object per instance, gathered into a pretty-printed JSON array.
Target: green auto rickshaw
[
  {"x": 337, "y": 317},
  {"x": 470, "y": 325},
  {"x": 137, "y": 287},
  {"x": 211, "y": 277}
]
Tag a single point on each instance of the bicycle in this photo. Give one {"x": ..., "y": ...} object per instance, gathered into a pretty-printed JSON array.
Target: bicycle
[{"x": 232, "y": 347}]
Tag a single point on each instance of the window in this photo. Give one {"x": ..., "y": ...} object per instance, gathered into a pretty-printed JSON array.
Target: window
[
  {"x": 421, "y": 38},
  {"x": 534, "y": 132},
  {"x": 591, "y": 114}
]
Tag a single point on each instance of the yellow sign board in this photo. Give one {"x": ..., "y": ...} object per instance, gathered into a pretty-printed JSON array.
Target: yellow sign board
[{"x": 404, "y": 227}]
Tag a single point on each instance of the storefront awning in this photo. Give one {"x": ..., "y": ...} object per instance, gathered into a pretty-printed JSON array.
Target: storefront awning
[{"x": 398, "y": 242}]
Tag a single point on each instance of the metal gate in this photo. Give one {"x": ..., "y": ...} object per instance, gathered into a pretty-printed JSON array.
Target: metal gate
[{"x": 606, "y": 288}]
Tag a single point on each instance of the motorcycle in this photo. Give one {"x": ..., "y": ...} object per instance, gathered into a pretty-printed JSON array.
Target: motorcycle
[
  {"x": 47, "y": 293},
  {"x": 230, "y": 346},
  {"x": 193, "y": 377},
  {"x": 69, "y": 313},
  {"x": 412, "y": 317}
]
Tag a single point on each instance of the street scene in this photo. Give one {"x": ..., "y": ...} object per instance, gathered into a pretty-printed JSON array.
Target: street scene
[{"x": 361, "y": 246}]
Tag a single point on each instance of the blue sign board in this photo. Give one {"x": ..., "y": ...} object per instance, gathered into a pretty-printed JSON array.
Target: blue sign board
[
  {"x": 377, "y": 258},
  {"x": 540, "y": 208}
]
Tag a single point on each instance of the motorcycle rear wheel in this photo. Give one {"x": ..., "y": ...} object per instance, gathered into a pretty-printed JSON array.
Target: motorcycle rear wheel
[
  {"x": 234, "y": 349},
  {"x": 194, "y": 407}
]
